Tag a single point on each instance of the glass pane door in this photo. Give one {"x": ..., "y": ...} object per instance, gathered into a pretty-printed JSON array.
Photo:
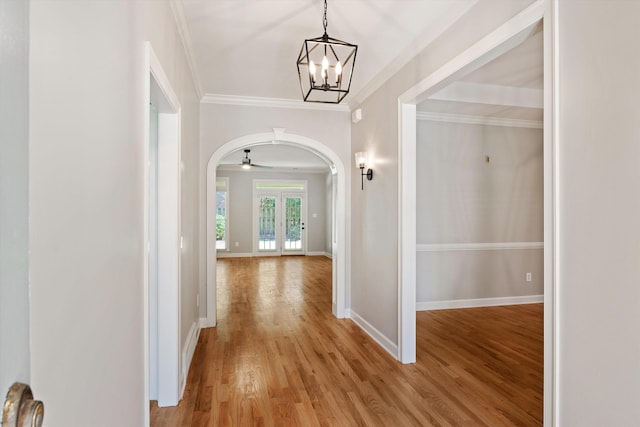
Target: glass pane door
[
  {"x": 293, "y": 220},
  {"x": 267, "y": 223}
]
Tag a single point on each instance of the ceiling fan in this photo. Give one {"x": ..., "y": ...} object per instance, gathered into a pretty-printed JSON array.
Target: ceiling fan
[{"x": 246, "y": 161}]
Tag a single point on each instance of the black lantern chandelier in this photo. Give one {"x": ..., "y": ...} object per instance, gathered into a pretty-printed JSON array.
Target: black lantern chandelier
[{"x": 325, "y": 67}]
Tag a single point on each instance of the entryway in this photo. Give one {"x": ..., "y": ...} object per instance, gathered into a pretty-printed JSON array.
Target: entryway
[
  {"x": 339, "y": 247},
  {"x": 164, "y": 381},
  {"x": 279, "y": 217}
]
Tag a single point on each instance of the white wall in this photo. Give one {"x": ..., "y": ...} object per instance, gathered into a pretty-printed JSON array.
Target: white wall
[
  {"x": 599, "y": 216},
  {"x": 220, "y": 124},
  {"x": 14, "y": 185},
  {"x": 328, "y": 214},
  {"x": 461, "y": 198},
  {"x": 86, "y": 203},
  {"x": 374, "y": 233}
]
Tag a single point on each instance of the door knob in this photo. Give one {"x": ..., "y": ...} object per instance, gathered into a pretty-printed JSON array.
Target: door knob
[{"x": 20, "y": 410}]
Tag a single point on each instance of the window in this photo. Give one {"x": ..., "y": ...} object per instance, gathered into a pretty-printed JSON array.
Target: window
[{"x": 222, "y": 214}]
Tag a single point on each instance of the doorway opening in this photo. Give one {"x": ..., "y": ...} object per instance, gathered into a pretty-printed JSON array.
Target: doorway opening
[
  {"x": 502, "y": 40},
  {"x": 279, "y": 217},
  {"x": 161, "y": 238},
  {"x": 338, "y": 252}
]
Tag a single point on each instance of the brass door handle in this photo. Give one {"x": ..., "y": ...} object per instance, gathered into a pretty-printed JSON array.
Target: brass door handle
[{"x": 20, "y": 410}]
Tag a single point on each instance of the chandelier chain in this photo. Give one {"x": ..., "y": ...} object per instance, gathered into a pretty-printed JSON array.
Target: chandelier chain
[{"x": 324, "y": 20}]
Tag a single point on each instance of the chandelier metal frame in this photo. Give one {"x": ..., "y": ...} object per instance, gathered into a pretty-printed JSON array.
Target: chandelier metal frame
[{"x": 334, "y": 81}]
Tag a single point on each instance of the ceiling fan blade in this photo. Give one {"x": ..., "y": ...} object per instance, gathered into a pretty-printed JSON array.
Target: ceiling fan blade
[{"x": 261, "y": 166}]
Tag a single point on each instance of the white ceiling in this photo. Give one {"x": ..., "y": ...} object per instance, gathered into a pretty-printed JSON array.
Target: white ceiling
[
  {"x": 519, "y": 69},
  {"x": 248, "y": 48}
]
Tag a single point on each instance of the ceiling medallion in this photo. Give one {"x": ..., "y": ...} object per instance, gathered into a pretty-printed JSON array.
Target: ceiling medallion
[{"x": 325, "y": 67}]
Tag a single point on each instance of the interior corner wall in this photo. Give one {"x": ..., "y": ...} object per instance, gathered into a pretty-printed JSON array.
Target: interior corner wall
[
  {"x": 86, "y": 179},
  {"x": 374, "y": 232},
  {"x": 220, "y": 124},
  {"x": 328, "y": 214},
  {"x": 598, "y": 296},
  {"x": 240, "y": 207},
  {"x": 14, "y": 187},
  {"x": 478, "y": 184}
]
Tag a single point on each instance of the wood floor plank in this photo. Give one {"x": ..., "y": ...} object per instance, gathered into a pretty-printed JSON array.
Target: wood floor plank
[{"x": 278, "y": 357}]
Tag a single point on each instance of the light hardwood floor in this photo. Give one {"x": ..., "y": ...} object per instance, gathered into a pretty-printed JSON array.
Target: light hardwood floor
[{"x": 278, "y": 357}]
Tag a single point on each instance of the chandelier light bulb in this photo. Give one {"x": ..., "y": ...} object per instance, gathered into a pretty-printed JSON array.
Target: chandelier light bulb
[
  {"x": 312, "y": 71},
  {"x": 325, "y": 69},
  {"x": 326, "y": 79}
]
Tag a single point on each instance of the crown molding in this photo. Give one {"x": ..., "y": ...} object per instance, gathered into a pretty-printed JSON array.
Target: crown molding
[
  {"x": 409, "y": 53},
  {"x": 185, "y": 36},
  {"x": 478, "y": 120},
  {"x": 254, "y": 101},
  {"x": 482, "y": 93}
]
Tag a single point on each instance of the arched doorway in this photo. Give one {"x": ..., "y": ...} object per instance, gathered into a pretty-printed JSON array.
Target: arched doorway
[{"x": 340, "y": 251}]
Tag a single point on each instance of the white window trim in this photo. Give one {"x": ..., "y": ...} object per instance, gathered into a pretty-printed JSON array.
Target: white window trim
[{"x": 225, "y": 188}]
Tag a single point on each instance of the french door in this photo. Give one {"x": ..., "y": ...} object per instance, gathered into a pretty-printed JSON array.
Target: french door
[{"x": 280, "y": 223}]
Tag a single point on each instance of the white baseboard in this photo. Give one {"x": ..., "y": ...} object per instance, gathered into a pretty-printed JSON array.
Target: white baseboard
[
  {"x": 250, "y": 254},
  {"x": 498, "y": 246},
  {"x": 315, "y": 253},
  {"x": 187, "y": 354},
  {"x": 320, "y": 253},
  {"x": 234, "y": 255},
  {"x": 206, "y": 323},
  {"x": 478, "y": 302},
  {"x": 379, "y": 337}
]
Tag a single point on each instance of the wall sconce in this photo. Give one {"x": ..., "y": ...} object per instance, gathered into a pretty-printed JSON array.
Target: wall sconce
[{"x": 361, "y": 162}]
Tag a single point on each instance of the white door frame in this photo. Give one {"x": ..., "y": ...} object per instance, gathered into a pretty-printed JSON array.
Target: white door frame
[
  {"x": 341, "y": 250},
  {"x": 503, "y": 39},
  {"x": 157, "y": 86}
]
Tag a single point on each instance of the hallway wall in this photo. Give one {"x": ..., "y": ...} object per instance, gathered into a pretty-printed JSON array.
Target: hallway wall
[
  {"x": 599, "y": 218},
  {"x": 86, "y": 203},
  {"x": 464, "y": 199},
  {"x": 14, "y": 187}
]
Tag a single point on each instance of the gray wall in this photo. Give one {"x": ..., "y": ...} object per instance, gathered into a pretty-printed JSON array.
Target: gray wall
[
  {"x": 463, "y": 199},
  {"x": 86, "y": 183},
  {"x": 374, "y": 231},
  {"x": 599, "y": 219},
  {"x": 241, "y": 208},
  {"x": 14, "y": 186},
  {"x": 328, "y": 212}
]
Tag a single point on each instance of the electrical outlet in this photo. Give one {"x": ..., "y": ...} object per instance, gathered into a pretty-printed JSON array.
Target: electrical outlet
[
  {"x": 237, "y": 244},
  {"x": 528, "y": 277}
]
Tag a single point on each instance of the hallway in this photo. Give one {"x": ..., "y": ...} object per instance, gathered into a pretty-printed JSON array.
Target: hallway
[{"x": 279, "y": 357}]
